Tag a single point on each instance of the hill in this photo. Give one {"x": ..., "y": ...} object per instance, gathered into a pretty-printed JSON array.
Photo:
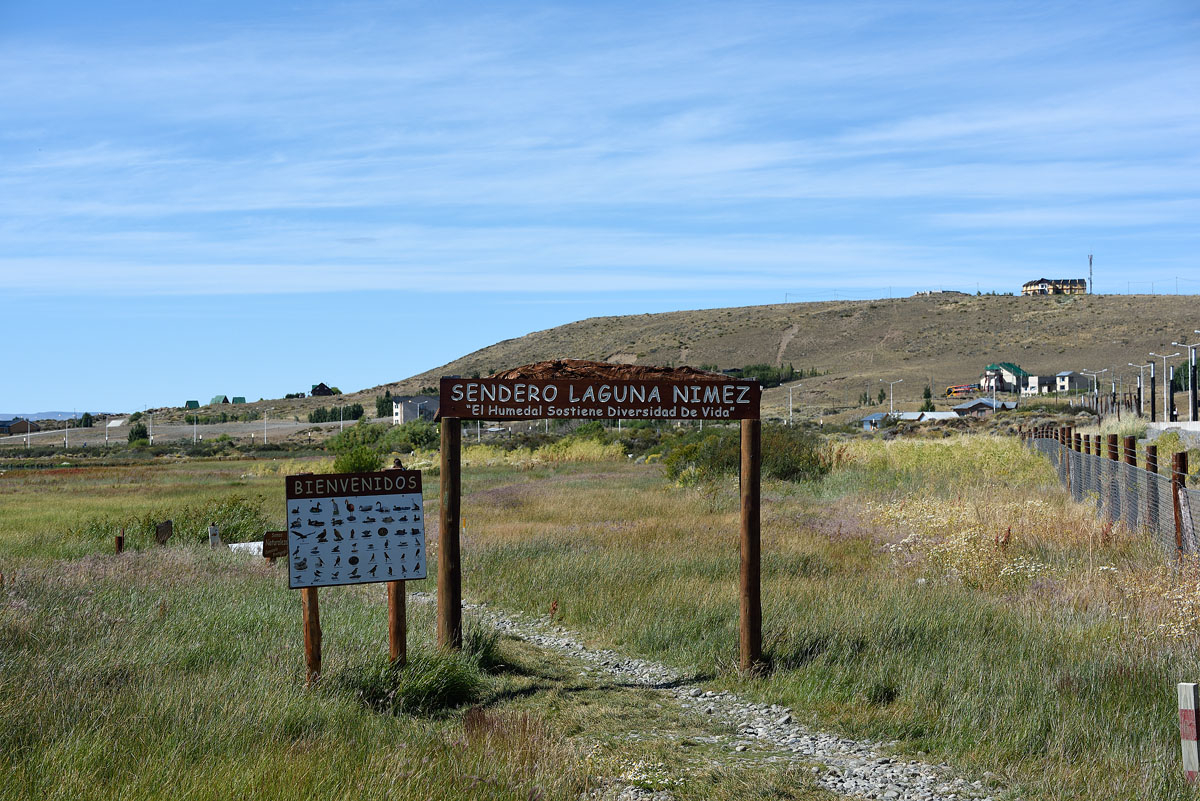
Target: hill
[{"x": 938, "y": 340}]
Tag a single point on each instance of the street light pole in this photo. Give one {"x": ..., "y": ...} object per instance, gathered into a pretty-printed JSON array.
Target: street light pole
[
  {"x": 1166, "y": 385},
  {"x": 1191, "y": 376},
  {"x": 790, "y": 403},
  {"x": 891, "y": 404}
]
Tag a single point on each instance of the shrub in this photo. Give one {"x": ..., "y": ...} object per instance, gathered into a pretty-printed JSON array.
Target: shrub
[
  {"x": 361, "y": 434},
  {"x": 788, "y": 454},
  {"x": 415, "y": 435},
  {"x": 360, "y": 459},
  {"x": 138, "y": 432}
]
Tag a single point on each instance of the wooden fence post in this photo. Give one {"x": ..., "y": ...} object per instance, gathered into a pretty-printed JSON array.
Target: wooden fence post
[
  {"x": 119, "y": 542},
  {"x": 449, "y": 627},
  {"x": 1178, "y": 474},
  {"x": 1131, "y": 510},
  {"x": 1114, "y": 484},
  {"x": 311, "y": 616},
  {"x": 397, "y": 622},
  {"x": 750, "y": 632},
  {"x": 1152, "y": 520}
]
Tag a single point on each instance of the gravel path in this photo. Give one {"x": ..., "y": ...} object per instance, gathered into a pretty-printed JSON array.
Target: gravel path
[{"x": 854, "y": 768}]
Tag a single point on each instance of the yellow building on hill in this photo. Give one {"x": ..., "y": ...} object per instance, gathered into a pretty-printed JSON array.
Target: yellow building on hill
[{"x": 1055, "y": 286}]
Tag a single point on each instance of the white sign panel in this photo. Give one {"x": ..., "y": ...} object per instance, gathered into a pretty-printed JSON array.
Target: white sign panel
[{"x": 355, "y": 528}]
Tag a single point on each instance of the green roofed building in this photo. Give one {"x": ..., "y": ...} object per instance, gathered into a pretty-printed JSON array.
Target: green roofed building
[
  {"x": 238, "y": 399},
  {"x": 1003, "y": 377},
  {"x": 218, "y": 399},
  {"x": 192, "y": 405}
]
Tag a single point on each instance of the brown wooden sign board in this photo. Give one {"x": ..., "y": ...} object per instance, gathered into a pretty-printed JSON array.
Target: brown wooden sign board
[
  {"x": 537, "y": 399},
  {"x": 275, "y": 545}
]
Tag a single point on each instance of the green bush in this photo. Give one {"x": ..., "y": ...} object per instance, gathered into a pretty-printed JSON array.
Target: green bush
[
  {"x": 361, "y": 434},
  {"x": 238, "y": 517},
  {"x": 360, "y": 459},
  {"x": 137, "y": 432},
  {"x": 414, "y": 435},
  {"x": 788, "y": 454}
]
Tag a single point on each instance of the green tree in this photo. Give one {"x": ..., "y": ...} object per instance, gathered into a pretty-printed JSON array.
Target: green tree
[
  {"x": 882, "y": 395},
  {"x": 138, "y": 431},
  {"x": 928, "y": 393},
  {"x": 86, "y": 420}
]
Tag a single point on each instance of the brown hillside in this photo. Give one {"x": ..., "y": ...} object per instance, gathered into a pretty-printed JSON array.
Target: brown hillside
[{"x": 947, "y": 339}]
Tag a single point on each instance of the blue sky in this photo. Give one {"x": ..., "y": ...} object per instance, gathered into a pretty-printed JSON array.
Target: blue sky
[{"x": 248, "y": 198}]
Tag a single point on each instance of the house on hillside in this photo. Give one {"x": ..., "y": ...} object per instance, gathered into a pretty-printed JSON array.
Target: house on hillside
[
  {"x": 218, "y": 399},
  {"x": 239, "y": 399},
  {"x": 410, "y": 407},
  {"x": 981, "y": 407},
  {"x": 192, "y": 404},
  {"x": 1069, "y": 381},
  {"x": 1055, "y": 286},
  {"x": 872, "y": 422},
  {"x": 18, "y": 425},
  {"x": 1038, "y": 385},
  {"x": 1003, "y": 377},
  {"x": 320, "y": 390}
]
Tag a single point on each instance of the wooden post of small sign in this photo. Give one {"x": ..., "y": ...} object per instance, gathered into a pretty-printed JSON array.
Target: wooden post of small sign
[
  {"x": 397, "y": 623},
  {"x": 449, "y": 629},
  {"x": 750, "y": 639},
  {"x": 311, "y": 613},
  {"x": 119, "y": 543}
]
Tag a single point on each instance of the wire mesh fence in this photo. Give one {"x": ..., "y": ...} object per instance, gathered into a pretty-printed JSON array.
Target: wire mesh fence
[{"x": 1121, "y": 492}]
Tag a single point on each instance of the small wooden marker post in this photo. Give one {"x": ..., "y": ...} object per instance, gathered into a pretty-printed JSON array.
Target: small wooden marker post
[
  {"x": 119, "y": 542},
  {"x": 1189, "y": 702}
]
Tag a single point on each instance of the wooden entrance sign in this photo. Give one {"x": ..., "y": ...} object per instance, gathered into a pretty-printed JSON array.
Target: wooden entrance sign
[
  {"x": 581, "y": 390},
  {"x": 352, "y": 528}
]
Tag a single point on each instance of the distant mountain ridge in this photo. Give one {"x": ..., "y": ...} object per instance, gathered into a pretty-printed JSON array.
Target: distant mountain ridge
[{"x": 41, "y": 415}]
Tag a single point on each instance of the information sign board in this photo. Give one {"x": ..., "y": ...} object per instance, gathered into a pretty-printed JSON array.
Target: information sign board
[
  {"x": 275, "y": 545},
  {"x": 355, "y": 528},
  {"x": 535, "y": 399}
]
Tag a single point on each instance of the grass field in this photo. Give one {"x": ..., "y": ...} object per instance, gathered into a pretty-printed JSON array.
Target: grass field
[{"x": 941, "y": 593}]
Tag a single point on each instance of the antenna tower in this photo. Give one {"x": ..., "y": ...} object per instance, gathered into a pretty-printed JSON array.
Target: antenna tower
[{"x": 1091, "y": 281}]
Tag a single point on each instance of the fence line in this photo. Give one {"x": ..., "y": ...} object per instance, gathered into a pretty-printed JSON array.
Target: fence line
[{"x": 1156, "y": 504}]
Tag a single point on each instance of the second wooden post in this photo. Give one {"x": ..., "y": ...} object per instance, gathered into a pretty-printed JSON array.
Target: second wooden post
[{"x": 750, "y": 639}]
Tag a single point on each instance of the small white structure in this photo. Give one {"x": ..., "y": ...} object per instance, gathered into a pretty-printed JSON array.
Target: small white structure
[{"x": 410, "y": 408}]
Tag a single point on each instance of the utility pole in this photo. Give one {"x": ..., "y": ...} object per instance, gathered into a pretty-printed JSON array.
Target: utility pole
[
  {"x": 1091, "y": 280},
  {"x": 891, "y": 405}
]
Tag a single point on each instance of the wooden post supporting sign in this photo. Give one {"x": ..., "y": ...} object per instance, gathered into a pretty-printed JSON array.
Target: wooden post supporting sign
[
  {"x": 449, "y": 628},
  {"x": 311, "y": 614},
  {"x": 397, "y": 623},
  {"x": 750, "y": 629}
]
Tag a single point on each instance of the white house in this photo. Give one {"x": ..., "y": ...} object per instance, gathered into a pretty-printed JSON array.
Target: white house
[
  {"x": 1069, "y": 381},
  {"x": 407, "y": 409}
]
